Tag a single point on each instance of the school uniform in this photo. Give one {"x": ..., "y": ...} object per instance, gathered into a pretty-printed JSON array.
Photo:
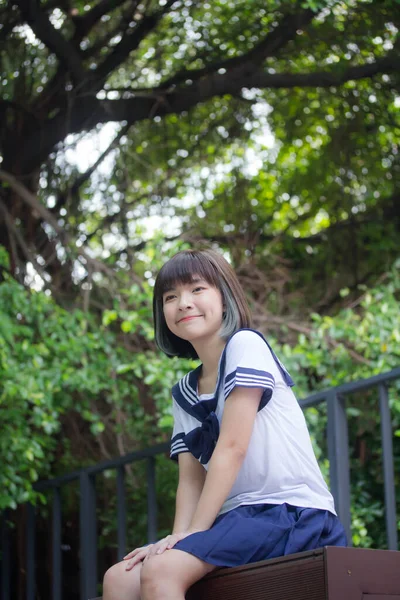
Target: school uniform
[{"x": 279, "y": 503}]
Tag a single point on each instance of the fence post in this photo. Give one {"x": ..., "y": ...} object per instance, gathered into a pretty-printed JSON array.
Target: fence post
[
  {"x": 388, "y": 467},
  {"x": 56, "y": 545},
  {"x": 30, "y": 551},
  {"x": 88, "y": 536},
  {"x": 5, "y": 558},
  {"x": 338, "y": 452},
  {"x": 121, "y": 512},
  {"x": 151, "y": 500}
]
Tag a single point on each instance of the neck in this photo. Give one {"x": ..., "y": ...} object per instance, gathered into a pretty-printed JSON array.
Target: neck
[{"x": 209, "y": 352}]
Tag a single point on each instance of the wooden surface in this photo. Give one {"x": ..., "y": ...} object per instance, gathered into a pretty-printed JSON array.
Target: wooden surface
[
  {"x": 325, "y": 574},
  {"x": 296, "y": 576},
  {"x": 361, "y": 574}
]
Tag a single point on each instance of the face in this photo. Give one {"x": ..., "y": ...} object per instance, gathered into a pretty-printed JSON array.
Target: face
[{"x": 193, "y": 310}]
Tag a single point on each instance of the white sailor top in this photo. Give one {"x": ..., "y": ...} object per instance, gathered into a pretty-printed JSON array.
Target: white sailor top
[{"x": 280, "y": 464}]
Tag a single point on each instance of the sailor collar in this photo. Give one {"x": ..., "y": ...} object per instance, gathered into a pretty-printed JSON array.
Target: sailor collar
[{"x": 185, "y": 391}]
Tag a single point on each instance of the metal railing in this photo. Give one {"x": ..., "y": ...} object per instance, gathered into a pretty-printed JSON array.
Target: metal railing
[{"x": 338, "y": 454}]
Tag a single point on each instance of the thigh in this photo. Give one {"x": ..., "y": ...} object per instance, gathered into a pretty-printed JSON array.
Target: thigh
[
  {"x": 175, "y": 566},
  {"x": 120, "y": 584}
]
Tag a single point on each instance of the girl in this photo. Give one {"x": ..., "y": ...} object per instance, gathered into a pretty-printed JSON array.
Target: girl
[{"x": 249, "y": 484}]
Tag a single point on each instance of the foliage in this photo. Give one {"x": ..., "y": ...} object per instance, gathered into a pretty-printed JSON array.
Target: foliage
[
  {"x": 65, "y": 379},
  {"x": 61, "y": 367}
]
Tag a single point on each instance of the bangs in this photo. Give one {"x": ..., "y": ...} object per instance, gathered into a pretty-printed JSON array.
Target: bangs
[{"x": 184, "y": 268}]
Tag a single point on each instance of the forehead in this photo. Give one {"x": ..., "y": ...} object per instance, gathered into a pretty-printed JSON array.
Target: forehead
[{"x": 185, "y": 270}]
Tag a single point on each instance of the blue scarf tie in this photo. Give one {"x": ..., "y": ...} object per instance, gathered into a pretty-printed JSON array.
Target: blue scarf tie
[{"x": 202, "y": 440}]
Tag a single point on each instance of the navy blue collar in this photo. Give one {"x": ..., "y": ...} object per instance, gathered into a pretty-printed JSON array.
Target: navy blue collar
[{"x": 185, "y": 391}]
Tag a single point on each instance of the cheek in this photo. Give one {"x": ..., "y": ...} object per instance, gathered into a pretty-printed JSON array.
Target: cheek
[
  {"x": 218, "y": 303},
  {"x": 168, "y": 315}
]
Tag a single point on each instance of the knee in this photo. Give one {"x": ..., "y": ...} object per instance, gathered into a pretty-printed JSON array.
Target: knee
[
  {"x": 153, "y": 576},
  {"x": 111, "y": 576},
  {"x": 120, "y": 584}
]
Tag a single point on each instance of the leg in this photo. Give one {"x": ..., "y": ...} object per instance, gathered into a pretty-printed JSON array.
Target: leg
[
  {"x": 170, "y": 575},
  {"x": 119, "y": 584}
]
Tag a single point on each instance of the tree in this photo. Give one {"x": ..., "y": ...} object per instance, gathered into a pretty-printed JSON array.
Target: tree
[{"x": 184, "y": 81}]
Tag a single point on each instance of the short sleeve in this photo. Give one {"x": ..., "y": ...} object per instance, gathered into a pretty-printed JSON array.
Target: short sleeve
[
  {"x": 250, "y": 363},
  {"x": 177, "y": 441}
]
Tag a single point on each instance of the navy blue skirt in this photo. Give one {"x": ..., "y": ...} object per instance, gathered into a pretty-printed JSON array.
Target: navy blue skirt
[{"x": 256, "y": 532}]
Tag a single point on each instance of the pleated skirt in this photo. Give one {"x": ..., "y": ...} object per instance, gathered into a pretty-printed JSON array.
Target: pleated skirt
[{"x": 257, "y": 532}]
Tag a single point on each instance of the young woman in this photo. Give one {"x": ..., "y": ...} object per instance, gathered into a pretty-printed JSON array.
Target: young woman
[{"x": 249, "y": 484}]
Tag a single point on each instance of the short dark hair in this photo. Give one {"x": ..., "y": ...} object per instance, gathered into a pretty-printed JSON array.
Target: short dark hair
[{"x": 213, "y": 268}]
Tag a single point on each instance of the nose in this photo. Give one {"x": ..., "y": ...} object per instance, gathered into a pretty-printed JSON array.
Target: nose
[{"x": 185, "y": 301}]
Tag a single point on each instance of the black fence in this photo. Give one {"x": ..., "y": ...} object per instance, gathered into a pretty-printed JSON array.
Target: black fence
[{"x": 338, "y": 454}]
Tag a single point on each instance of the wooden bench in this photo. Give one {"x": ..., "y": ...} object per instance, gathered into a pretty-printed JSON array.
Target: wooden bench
[{"x": 325, "y": 574}]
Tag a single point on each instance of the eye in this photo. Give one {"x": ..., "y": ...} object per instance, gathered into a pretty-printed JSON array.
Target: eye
[
  {"x": 169, "y": 297},
  {"x": 199, "y": 288}
]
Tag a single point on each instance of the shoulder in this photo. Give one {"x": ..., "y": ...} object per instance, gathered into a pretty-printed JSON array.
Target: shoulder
[
  {"x": 246, "y": 339},
  {"x": 247, "y": 347}
]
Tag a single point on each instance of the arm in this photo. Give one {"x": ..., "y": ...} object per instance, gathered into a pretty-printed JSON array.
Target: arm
[
  {"x": 197, "y": 510},
  {"x": 191, "y": 481},
  {"x": 236, "y": 428}
]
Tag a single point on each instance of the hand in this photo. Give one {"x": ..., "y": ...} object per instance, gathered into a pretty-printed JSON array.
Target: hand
[
  {"x": 136, "y": 556},
  {"x": 168, "y": 542},
  {"x": 144, "y": 552}
]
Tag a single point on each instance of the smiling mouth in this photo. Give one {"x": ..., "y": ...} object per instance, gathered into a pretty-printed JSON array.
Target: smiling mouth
[{"x": 188, "y": 318}]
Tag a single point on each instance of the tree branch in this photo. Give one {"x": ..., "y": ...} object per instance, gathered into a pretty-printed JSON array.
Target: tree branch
[
  {"x": 90, "y": 111},
  {"x": 129, "y": 43},
  {"x": 338, "y": 76},
  {"x": 269, "y": 46},
  {"x": 85, "y": 176},
  {"x": 84, "y": 23},
  {"x": 52, "y": 39},
  {"x": 100, "y": 43},
  {"x": 34, "y": 203},
  {"x": 13, "y": 231},
  {"x": 182, "y": 99}
]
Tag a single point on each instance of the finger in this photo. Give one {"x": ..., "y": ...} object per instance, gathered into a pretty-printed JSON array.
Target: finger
[
  {"x": 162, "y": 548},
  {"x": 158, "y": 545},
  {"x": 158, "y": 548},
  {"x": 132, "y": 553},
  {"x": 134, "y": 561},
  {"x": 150, "y": 553},
  {"x": 174, "y": 540}
]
